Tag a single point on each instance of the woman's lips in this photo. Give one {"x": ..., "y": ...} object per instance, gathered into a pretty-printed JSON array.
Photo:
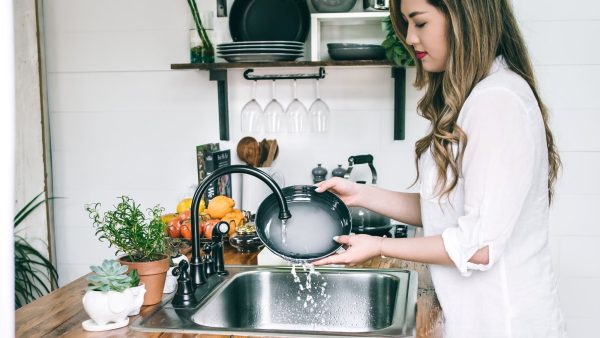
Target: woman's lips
[{"x": 420, "y": 55}]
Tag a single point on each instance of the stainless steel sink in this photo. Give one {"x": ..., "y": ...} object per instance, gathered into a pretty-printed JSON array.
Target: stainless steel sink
[{"x": 261, "y": 301}]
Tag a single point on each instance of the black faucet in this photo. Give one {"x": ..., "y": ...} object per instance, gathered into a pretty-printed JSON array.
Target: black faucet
[{"x": 196, "y": 265}]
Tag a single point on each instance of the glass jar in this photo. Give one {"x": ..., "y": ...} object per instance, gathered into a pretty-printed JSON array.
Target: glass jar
[
  {"x": 199, "y": 51},
  {"x": 245, "y": 239},
  {"x": 201, "y": 42}
]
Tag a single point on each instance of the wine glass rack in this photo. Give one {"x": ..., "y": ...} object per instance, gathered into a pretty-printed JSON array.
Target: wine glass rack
[{"x": 218, "y": 72}]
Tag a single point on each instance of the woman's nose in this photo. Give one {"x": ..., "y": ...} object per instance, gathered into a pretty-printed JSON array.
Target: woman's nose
[{"x": 411, "y": 37}]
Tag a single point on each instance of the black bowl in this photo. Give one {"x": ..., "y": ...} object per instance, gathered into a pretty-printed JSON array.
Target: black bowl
[
  {"x": 316, "y": 218},
  {"x": 333, "y": 6}
]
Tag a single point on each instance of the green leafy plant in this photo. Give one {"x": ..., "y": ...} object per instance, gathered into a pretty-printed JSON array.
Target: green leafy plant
[
  {"x": 140, "y": 237},
  {"x": 35, "y": 275},
  {"x": 395, "y": 50},
  {"x": 110, "y": 276},
  {"x": 135, "y": 278}
]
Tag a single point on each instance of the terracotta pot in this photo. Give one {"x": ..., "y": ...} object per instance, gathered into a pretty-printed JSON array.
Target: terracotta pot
[{"x": 152, "y": 274}]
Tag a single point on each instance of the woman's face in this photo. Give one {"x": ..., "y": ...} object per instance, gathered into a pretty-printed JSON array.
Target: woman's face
[{"x": 426, "y": 33}]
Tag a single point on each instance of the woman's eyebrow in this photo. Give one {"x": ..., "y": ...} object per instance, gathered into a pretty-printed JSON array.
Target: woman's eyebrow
[{"x": 413, "y": 14}]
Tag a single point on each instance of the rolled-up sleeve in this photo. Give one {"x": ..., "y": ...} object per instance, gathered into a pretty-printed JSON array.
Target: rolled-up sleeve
[{"x": 498, "y": 171}]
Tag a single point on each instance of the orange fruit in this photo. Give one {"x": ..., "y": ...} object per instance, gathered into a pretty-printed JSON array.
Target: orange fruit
[{"x": 220, "y": 206}]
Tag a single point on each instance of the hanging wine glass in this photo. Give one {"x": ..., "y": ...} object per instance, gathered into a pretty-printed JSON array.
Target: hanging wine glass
[
  {"x": 252, "y": 114},
  {"x": 274, "y": 114},
  {"x": 319, "y": 113},
  {"x": 297, "y": 114}
]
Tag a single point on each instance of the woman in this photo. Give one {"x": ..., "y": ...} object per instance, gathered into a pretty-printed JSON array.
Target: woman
[{"x": 486, "y": 169}]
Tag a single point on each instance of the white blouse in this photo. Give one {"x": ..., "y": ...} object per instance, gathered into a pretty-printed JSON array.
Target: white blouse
[{"x": 500, "y": 201}]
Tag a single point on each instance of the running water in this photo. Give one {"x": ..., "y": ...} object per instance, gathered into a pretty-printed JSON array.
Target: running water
[
  {"x": 311, "y": 291},
  {"x": 283, "y": 228}
]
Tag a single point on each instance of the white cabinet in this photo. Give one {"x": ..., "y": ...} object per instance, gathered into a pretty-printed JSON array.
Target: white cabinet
[{"x": 351, "y": 27}]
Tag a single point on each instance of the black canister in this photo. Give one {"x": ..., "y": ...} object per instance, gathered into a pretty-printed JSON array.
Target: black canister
[
  {"x": 319, "y": 174},
  {"x": 338, "y": 172}
]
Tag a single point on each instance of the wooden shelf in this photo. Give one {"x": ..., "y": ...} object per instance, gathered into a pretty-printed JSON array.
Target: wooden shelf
[
  {"x": 218, "y": 72},
  {"x": 281, "y": 64}
]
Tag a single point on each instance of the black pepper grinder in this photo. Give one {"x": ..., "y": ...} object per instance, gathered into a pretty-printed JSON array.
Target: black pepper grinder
[
  {"x": 319, "y": 174},
  {"x": 338, "y": 172}
]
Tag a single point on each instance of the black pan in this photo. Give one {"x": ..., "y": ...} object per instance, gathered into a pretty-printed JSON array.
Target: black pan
[
  {"x": 269, "y": 20},
  {"x": 316, "y": 218}
]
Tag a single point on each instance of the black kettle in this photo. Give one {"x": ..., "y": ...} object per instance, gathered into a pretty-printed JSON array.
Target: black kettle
[{"x": 365, "y": 221}]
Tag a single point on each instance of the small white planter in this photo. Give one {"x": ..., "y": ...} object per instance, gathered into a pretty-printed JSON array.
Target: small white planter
[
  {"x": 107, "y": 307},
  {"x": 138, "y": 293},
  {"x": 171, "y": 281}
]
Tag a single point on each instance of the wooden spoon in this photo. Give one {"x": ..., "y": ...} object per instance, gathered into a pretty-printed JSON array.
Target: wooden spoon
[{"x": 248, "y": 150}]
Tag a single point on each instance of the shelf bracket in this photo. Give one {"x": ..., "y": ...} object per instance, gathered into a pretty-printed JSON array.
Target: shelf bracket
[
  {"x": 249, "y": 76},
  {"x": 220, "y": 75},
  {"x": 399, "y": 75}
]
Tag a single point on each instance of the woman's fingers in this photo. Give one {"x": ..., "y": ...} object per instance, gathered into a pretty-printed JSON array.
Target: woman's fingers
[
  {"x": 344, "y": 239},
  {"x": 333, "y": 259},
  {"x": 331, "y": 183}
]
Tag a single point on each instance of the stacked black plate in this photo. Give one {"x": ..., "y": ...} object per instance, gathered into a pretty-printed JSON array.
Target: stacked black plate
[{"x": 260, "y": 51}]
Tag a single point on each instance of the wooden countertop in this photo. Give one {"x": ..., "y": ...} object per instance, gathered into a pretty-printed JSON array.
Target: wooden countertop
[{"x": 60, "y": 313}]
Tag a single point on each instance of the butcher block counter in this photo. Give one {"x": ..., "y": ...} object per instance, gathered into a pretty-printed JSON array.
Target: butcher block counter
[{"x": 60, "y": 313}]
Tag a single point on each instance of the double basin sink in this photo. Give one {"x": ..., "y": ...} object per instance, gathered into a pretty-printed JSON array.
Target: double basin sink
[{"x": 264, "y": 301}]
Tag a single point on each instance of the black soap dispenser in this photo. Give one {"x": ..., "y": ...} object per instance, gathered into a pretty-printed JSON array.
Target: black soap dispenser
[{"x": 319, "y": 174}]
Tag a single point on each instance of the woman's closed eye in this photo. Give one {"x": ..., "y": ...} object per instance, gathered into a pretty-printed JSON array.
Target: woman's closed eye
[{"x": 420, "y": 25}]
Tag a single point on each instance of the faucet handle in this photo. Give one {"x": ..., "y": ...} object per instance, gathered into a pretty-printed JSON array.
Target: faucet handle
[
  {"x": 184, "y": 297},
  {"x": 181, "y": 269}
]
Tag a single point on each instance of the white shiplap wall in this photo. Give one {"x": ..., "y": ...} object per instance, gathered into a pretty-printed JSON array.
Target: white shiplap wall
[{"x": 122, "y": 123}]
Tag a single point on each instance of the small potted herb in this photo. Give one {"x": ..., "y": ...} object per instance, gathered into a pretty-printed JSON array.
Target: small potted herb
[
  {"x": 108, "y": 298},
  {"x": 140, "y": 237}
]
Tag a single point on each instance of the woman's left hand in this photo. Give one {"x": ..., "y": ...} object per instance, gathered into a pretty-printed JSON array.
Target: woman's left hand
[{"x": 359, "y": 249}]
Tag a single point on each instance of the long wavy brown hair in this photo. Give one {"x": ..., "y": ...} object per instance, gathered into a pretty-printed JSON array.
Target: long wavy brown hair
[{"x": 478, "y": 32}]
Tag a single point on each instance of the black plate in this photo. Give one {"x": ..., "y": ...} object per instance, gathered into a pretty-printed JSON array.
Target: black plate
[
  {"x": 357, "y": 53},
  {"x": 269, "y": 20},
  {"x": 316, "y": 218}
]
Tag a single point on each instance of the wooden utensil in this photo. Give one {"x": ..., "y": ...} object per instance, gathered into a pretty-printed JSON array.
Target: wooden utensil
[
  {"x": 248, "y": 150},
  {"x": 272, "y": 150},
  {"x": 264, "y": 151}
]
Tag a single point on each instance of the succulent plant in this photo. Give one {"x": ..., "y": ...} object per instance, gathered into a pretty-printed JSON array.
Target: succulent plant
[
  {"x": 135, "y": 278},
  {"x": 110, "y": 276}
]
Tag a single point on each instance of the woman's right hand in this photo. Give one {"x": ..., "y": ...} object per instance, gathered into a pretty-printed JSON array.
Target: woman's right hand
[{"x": 346, "y": 190}]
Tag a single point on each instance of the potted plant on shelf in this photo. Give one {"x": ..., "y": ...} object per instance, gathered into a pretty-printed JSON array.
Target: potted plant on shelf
[
  {"x": 109, "y": 298},
  {"x": 395, "y": 50},
  {"x": 140, "y": 237}
]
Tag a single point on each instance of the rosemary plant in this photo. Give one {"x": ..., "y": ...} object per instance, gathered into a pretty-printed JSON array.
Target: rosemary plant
[{"x": 140, "y": 237}]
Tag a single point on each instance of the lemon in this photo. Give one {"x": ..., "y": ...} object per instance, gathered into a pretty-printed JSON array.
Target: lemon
[{"x": 186, "y": 204}]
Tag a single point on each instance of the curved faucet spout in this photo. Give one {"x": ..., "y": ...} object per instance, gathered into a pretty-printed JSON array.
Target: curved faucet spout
[{"x": 284, "y": 212}]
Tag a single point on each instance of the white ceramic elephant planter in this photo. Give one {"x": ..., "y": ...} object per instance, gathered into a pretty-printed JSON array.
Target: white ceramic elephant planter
[
  {"x": 138, "y": 293},
  {"x": 107, "y": 307}
]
